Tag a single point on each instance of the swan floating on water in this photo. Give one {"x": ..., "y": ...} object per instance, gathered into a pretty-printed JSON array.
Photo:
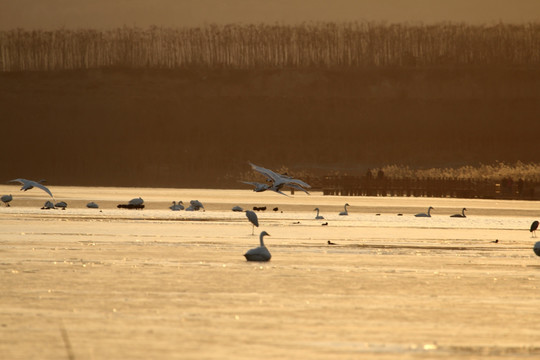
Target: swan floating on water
[
  {"x": 462, "y": 215},
  {"x": 6, "y": 199},
  {"x": 30, "y": 184},
  {"x": 253, "y": 219},
  {"x": 424, "y": 214},
  {"x": 260, "y": 253},
  {"x": 345, "y": 212},
  {"x": 318, "y": 217}
]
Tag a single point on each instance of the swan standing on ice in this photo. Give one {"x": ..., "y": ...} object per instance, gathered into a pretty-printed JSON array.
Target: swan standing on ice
[
  {"x": 424, "y": 214},
  {"x": 318, "y": 217},
  {"x": 260, "y": 253},
  {"x": 30, "y": 184},
  {"x": 345, "y": 212},
  {"x": 462, "y": 215},
  {"x": 92, "y": 205},
  {"x": 253, "y": 219},
  {"x": 6, "y": 199}
]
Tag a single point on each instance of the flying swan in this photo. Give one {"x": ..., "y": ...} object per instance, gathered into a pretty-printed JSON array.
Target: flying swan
[{"x": 30, "y": 184}]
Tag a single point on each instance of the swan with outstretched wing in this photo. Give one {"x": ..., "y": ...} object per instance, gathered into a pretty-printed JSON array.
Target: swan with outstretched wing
[
  {"x": 30, "y": 184},
  {"x": 280, "y": 180}
]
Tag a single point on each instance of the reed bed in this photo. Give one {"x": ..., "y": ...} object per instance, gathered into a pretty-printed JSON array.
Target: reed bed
[
  {"x": 320, "y": 45},
  {"x": 496, "y": 171}
]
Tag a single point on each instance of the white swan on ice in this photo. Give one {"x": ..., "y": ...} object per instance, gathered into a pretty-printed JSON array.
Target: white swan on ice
[
  {"x": 260, "y": 253},
  {"x": 194, "y": 205},
  {"x": 462, "y": 215},
  {"x": 345, "y": 212},
  {"x": 428, "y": 214},
  {"x": 6, "y": 199},
  {"x": 177, "y": 206},
  {"x": 137, "y": 201}
]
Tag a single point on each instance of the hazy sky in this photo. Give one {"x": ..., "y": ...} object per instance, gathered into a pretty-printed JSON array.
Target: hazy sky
[{"x": 52, "y": 14}]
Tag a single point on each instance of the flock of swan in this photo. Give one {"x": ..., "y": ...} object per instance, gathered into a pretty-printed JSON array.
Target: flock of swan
[
  {"x": 195, "y": 205},
  {"x": 428, "y": 213},
  {"x": 275, "y": 182}
]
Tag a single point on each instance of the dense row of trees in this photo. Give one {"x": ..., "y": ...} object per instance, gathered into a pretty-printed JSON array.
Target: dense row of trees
[{"x": 327, "y": 45}]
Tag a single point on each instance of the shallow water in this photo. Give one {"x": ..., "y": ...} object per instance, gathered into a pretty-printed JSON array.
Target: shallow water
[{"x": 153, "y": 283}]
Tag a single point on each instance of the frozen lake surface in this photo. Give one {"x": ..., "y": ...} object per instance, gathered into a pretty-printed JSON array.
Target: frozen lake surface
[{"x": 137, "y": 284}]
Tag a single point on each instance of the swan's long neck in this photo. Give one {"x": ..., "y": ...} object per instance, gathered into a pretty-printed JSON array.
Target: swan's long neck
[
  {"x": 429, "y": 211},
  {"x": 317, "y": 211},
  {"x": 463, "y": 212},
  {"x": 261, "y": 239},
  {"x": 345, "y": 207}
]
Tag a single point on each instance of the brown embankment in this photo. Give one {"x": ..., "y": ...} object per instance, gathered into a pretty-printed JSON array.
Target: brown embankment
[{"x": 198, "y": 128}]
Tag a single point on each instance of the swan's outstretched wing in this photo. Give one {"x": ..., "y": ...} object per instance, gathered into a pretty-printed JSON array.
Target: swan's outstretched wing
[
  {"x": 266, "y": 172},
  {"x": 297, "y": 187},
  {"x": 28, "y": 184},
  {"x": 278, "y": 191},
  {"x": 42, "y": 187},
  {"x": 23, "y": 182},
  {"x": 259, "y": 187},
  {"x": 278, "y": 178},
  {"x": 297, "y": 182}
]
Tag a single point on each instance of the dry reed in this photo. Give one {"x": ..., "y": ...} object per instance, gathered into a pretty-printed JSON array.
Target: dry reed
[
  {"x": 496, "y": 171},
  {"x": 322, "y": 45}
]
